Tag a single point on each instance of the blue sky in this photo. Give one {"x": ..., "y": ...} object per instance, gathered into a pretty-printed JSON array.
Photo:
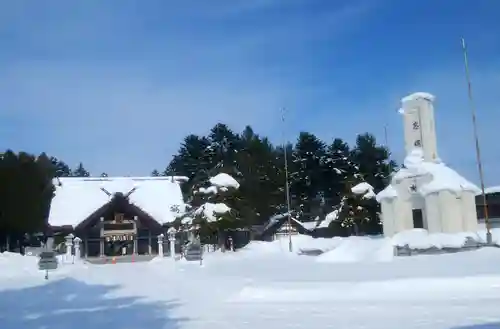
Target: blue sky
[{"x": 118, "y": 84}]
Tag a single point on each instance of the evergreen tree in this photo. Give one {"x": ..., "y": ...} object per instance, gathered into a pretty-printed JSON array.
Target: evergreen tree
[
  {"x": 375, "y": 168},
  {"x": 61, "y": 169},
  {"x": 223, "y": 149},
  {"x": 255, "y": 163},
  {"x": 80, "y": 171},
  {"x": 337, "y": 171},
  {"x": 26, "y": 191},
  {"x": 373, "y": 161},
  {"x": 321, "y": 177},
  {"x": 191, "y": 161},
  {"x": 306, "y": 175}
]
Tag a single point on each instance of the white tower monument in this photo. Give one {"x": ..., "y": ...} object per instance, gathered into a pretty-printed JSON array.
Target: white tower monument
[
  {"x": 419, "y": 128},
  {"x": 425, "y": 193}
]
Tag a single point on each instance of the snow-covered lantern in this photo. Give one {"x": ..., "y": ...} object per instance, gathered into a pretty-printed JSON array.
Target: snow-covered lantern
[
  {"x": 77, "y": 242},
  {"x": 160, "y": 245},
  {"x": 171, "y": 233},
  {"x": 69, "y": 245},
  {"x": 171, "y": 237}
]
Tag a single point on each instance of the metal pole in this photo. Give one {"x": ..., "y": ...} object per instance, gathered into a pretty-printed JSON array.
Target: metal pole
[
  {"x": 476, "y": 139},
  {"x": 287, "y": 187}
]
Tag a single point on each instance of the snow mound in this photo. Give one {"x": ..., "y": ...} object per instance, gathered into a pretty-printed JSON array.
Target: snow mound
[
  {"x": 13, "y": 265},
  {"x": 208, "y": 190},
  {"x": 421, "y": 239},
  {"x": 223, "y": 180},
  {"x": 211, "y": 210},
  {"x": 358, "y": 249},
  {"x": 364, "y": 189},
  {"x": 299, "y": 243}
]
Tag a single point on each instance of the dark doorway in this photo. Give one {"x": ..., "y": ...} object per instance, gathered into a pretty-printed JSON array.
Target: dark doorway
[
  {"x": 418, "y": 218},
  {"x": 118, "y": 248}
]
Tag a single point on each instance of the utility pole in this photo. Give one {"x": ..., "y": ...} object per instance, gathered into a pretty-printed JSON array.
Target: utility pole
[
  {"x": 476, "y": 139},
  {"x": 287, "y": 187}
]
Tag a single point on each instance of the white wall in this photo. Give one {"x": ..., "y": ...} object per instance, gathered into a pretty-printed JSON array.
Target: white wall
[
  {"x": 448, "y": 212},
  {"x": 451, "y": 212},
  {"x": 396, "y": 216},
  {"x": 433, "y": 213},
  {"x": 469, "y": 212},
  {"x": 388, "y": 217}
]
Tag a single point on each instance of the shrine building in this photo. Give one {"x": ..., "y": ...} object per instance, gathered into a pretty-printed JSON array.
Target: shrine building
[{"x": 116, "y": 215}]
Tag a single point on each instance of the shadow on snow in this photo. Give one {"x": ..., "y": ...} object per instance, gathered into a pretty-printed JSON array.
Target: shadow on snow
[{"x": 69, "y": 303}]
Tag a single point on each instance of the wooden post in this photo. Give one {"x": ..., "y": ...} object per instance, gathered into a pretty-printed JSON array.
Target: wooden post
[
  {"x": 149, "y": 243},
  {"x": 86, "y": 241},
  {"x": 478, "y": 150},
  {"x": 134, "y": 252},
  {"x": 101, "y": 242}
]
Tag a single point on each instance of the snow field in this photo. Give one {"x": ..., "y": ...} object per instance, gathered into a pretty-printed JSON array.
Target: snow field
[{"x": 262, "y": 286}]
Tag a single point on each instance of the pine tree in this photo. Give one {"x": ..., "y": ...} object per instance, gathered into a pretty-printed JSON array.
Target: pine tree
[
  {"x": 306, "y": 176},
  {"x": 375, "y": 168},
  {"x": 255, "y": 162},
  {"x": 191, "y": 161},
  {"x": 61, "y": 169},
  {"x": 337, "y": 170},
  {"x": 80, "y": 171}
]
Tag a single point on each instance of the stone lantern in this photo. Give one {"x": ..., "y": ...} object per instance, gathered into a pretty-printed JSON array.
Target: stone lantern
[
  {"x": 171, "y": 238},
  {"x": 69, "y": 245},
  {"x": 160, "y": 245},
  {"x": 77, "y": 241}
]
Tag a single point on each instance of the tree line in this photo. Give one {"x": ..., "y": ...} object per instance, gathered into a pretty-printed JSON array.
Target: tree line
[
  {"x": 320, "y": 177},
  {"x": 26, "y": 190}
]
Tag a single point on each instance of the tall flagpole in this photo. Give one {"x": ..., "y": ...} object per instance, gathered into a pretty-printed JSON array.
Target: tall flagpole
[
  {"x": 476, "y": 138},
  {"x": 287, "y": 187}
]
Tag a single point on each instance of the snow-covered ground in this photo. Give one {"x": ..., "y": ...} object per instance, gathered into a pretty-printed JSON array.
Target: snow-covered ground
[{"x": 354, "y": 285}]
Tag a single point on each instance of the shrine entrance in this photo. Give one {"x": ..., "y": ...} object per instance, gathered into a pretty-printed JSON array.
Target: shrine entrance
[
  {"x": 119, "y": 228},
  {"x": 119, "y": 245},
  {"x": 118, "y": 236}
]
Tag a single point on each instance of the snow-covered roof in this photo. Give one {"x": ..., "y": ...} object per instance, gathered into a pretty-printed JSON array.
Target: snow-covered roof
[
  {"x": 491, "y": 190},
  {"x": 77, "y": 198},
  {"x": 418, "y": 95},
  {"x": 388, "y": 193},
  {"x": 443, "y": 178}
]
